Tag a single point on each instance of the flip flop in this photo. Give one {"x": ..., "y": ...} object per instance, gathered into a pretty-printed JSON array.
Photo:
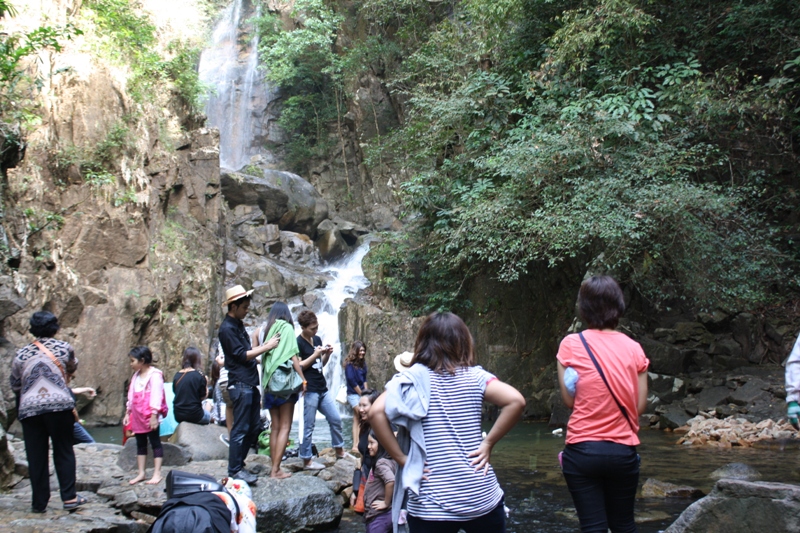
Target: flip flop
[{"x": 71, "y": 506}]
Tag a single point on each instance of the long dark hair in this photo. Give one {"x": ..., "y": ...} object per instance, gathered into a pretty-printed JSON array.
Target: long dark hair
[
  {"x": 444, "y": 344},
  {"x": 279, "y": 311},
  {"x": 191, "y": 358},
  {"x": 382, "y": 453},
  {"x": 352, "y": 355},
  {"x": 372, "y": 395}
]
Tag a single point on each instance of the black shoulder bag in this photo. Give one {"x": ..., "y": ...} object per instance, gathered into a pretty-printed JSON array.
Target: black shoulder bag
[{"x": 602, "y": 375}]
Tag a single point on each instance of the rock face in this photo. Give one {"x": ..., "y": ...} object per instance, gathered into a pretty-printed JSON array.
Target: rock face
[
  {"x": 300, "y": 503},
  {"x": 743, "y": 507},
  {"x": 285, "y": 199},
  {"x": 385, "y": 334}
]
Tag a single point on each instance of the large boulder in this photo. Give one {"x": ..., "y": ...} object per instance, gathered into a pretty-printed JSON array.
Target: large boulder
[
  {"x": 202, "y": 442},
  {"x": 330, "y": 241},
  {"x": 664, "y": 358},
  {"x": 736, "y": 506},
  {"x": 285, "y": 199},
  {"x": 10, "y": 301},
  {"x": 299, "y": 503},
  {"x": 174, "y": 455},
  {"x": 738, "y": 471},
  {"x": 654, "y": 488}
]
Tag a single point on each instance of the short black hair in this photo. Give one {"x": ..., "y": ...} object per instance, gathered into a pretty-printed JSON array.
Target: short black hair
[
  {"x": 306, "y": 318},
  {"x": 44, "y": 324},
  {"x": 142, "y": 354},
  {"x": 238, "y": 302},
  {"x": 601, "y": 302}
]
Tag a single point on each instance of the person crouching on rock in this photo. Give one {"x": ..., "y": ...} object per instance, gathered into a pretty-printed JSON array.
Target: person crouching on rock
[
  {"x": 191, "y": 388},
  {"x": 145, "y": 401},
  {"x": 240, "y": 361}
]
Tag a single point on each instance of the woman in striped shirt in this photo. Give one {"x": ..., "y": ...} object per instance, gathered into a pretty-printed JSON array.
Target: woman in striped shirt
[{"x": 436, "y": 405}]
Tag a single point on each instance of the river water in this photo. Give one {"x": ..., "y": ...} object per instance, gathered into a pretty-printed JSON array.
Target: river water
[{"x": 526, "y": 465}]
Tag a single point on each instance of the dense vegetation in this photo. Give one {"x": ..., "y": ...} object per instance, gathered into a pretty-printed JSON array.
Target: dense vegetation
[{"x": 653, "y": 139}]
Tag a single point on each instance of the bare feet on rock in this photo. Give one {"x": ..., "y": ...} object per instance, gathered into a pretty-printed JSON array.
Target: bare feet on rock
[
  {"x": 137, "y": 479},
  {"x": 280, "y": 474},
  {"x": 155, "y": 480}
]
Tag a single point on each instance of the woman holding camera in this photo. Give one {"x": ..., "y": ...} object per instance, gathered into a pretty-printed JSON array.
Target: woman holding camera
[{"x": 313, "y": 358}]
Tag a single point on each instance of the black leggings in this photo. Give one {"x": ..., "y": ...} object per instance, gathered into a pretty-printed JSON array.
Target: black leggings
[{"x": 155, "y": 442}]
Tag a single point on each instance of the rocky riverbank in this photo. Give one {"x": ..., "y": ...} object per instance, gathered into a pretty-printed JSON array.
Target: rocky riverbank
[{"x": 309, "y": 500}]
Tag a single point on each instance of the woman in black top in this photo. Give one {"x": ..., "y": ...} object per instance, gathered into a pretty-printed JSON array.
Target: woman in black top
[
  {"x": 191, "y": 388},
  {"x": 313, "y": 357}
]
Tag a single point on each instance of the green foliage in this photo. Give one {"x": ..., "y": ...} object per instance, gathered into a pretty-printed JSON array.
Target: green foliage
[
  {"x": 19, "y": 79},
  {"x": 594, "y": 132},
  {"x": 130, "y": 37},
  {"x": 38, "y": 220}
]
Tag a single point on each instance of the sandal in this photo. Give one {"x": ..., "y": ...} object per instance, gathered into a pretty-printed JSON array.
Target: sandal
[{"x": 71, "y": 506}]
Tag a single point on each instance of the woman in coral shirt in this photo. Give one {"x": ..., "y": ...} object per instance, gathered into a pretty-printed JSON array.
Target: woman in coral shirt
[{"x": 600, "y": 462}]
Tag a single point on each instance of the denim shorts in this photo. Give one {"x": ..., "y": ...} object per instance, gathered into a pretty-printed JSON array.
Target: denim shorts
[{"x": 353, "y": 399}]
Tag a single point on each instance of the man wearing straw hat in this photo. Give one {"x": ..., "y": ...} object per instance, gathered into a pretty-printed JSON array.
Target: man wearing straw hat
[{"x": 240, "y": 362}]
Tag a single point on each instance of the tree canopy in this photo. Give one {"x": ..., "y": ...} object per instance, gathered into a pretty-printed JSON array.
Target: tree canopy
[{"x": 652, "y": 139}]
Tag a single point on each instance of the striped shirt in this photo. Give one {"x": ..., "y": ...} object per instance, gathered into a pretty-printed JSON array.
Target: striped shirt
[{"x": 452, "y": 429}]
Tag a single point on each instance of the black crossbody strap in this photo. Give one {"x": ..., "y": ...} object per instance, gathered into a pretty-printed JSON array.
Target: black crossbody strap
[{"x": 602, "y": 375}]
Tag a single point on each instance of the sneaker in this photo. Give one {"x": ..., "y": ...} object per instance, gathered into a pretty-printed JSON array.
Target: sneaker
[
  {"x": 244, "y": 475},
  {"x": 225, "y": 440},
  {"x": 313, "y": 465}
]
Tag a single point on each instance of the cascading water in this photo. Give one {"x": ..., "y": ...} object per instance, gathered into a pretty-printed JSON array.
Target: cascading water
[
  {"x": 348, "y": 279},
  {"x": 240, "y": 101}
]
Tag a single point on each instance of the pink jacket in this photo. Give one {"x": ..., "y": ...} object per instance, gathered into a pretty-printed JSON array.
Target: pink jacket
[{"x": 144, "y": 403}]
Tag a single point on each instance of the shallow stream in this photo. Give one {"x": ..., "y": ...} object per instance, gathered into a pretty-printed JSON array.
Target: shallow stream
[{"x": 526, "y": 464}]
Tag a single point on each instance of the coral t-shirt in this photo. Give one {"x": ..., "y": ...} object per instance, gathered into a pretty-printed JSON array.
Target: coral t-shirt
[{"x": 595, "y": 415}]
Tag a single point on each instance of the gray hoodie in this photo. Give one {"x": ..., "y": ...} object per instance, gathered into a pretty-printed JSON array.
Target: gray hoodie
[{"x": 406, "y": 403}]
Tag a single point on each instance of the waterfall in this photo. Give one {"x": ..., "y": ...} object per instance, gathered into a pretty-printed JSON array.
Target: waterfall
[
  {"x": 239, "y": 105},
  {"x": 348, "y": 279}
]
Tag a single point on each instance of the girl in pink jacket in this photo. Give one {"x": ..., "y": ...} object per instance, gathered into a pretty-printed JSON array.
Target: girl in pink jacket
[{"x": 145, "y": 405}]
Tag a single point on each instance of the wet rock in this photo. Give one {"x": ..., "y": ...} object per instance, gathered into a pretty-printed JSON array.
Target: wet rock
[
  {"x": 173, "y": 455},
  {"x": 299, "y": 503},
  {"x": 664, "y": 358},
  {"x": 736, "y": 471},
  {"x": 201, "y": 442},
  {"x": 654, "y": 488},
  {"x": 748, "y": 393},
  {"x": 711, "y": 397},
  {"x": 330, "y": 241},
  {"x": 736, "y": 506},
  {"x": 672, "y": 416}
]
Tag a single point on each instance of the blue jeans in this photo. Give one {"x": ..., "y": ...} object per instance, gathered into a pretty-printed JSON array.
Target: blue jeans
[
  {"x": 602, "y": 478},
  {"x": 322, "y": 402},
  {"x": 80, "y": 435},
  {"x": 246, "y": 424}
]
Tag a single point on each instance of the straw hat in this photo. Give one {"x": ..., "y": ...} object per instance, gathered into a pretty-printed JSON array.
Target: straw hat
[
  {"x": 235, "y": 293},
  {"x": 403, "y": 361}
]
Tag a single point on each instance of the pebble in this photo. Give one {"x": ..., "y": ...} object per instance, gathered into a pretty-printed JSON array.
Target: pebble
[{"x": 707, "y": 430}]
